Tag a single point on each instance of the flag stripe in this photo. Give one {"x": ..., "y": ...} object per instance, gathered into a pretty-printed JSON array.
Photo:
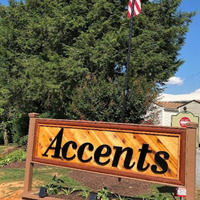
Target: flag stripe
[
  {"x": 137, "y": 7},
  {"x": 129, "y": 8}
]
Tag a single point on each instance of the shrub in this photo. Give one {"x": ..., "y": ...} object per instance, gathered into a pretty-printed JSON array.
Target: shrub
[
  {"x": 23, "y": 141},
  {"x": 19, "y": 155}
]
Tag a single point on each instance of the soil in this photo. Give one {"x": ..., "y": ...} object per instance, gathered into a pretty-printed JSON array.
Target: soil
[
  {"x": 125, "y": 187},
  {"x": 20, "y": 164},
  {"x": 6, "y": 189},
  {"x": 12, "y": 196},
  {"x": 13, "y": 190}
]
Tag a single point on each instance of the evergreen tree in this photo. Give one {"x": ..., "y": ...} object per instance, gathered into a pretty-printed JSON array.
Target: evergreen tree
[{"x": 66, "y": 59}]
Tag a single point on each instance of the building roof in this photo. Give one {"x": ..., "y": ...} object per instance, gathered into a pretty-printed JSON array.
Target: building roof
[
  {"x": 184, "y": 104},
  {"x": 179, "y": 98},
  {"x": 168, "y": 105}
]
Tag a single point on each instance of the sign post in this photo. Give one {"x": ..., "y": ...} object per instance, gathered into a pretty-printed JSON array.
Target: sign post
[
  {"x": 29, "y": 164},
  {"x": 148, "y": 153},
  {"x": 190, "y": 173}
]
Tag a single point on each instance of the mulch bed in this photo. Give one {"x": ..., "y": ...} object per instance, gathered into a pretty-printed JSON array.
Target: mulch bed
[
  {"x": 20, "y": 164},
  {"x": 126, "y": 187}
]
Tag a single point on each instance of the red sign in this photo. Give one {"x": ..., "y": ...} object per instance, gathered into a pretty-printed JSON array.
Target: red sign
[{"x": 183, "y": 121}]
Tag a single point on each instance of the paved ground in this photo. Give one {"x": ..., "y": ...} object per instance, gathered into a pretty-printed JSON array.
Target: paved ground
[{"x": 198, "y": 168}]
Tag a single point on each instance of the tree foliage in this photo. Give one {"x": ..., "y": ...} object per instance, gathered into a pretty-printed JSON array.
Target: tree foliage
[{"x": 66, "y": 59}]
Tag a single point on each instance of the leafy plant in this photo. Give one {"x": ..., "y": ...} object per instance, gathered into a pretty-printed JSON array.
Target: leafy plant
[
  {"x": 68, "y": 191},
  {"x": 103, "y": 194},
  {"x": 53, "y": 187},
  {"x": 84, "y": 193},
  {"x": 19, "y": 155},
  {"x": 57, "y": 186}
]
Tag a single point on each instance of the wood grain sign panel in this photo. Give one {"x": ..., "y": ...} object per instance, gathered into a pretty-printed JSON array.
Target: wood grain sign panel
[{"x": 142, "y": 152}]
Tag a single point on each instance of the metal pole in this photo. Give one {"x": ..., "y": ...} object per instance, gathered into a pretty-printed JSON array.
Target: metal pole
[{"x": 127, "y": 65}]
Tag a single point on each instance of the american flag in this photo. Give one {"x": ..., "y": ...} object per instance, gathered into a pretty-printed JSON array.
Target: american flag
[{"x": 137, "y": 7}]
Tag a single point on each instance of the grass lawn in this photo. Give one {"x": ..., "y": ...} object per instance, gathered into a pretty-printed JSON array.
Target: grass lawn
[
  {"x": 11, "y": 175},
  {"x": 45, "y": 175},
  {"x": 41, "y": 176}
]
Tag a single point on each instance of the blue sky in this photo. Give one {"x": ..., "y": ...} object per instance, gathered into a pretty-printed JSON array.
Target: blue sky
[{"x": 187, "y": 78}]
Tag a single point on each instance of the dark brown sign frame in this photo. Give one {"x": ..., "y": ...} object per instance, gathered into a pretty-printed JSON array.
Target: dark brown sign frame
[{"x": 183, "y": 134}]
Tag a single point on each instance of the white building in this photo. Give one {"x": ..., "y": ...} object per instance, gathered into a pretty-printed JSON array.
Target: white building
[{"x": 168, "y": 105}]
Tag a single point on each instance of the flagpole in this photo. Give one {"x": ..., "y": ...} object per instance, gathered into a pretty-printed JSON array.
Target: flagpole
[{"x": 127, "y": 64}]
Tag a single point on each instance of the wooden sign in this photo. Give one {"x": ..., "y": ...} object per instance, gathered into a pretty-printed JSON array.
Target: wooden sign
[
  {"x": 143, "y": 152},
  {"x": 149, "y": 153}
]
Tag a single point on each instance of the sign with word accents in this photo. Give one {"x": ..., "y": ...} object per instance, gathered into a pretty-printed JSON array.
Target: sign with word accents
[{"x": 133, "y": 151}]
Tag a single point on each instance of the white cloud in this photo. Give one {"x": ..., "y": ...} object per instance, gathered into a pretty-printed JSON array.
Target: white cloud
[
  {"x": 196, "y": 91},
  {"x": 175, "y": 81}
]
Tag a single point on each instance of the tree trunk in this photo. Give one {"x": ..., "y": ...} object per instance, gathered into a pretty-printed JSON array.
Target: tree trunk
[{"x": 5, "y": 137}]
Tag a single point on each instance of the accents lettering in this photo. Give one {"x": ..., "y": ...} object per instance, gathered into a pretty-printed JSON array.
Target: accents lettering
[
  {"x": 86, "y": 152},
  {"x": 143, "y": 154},
  {"x": 65, "y": 150},
  {"x": 129, "y": 153},
  {"x": 58, "y": 140},
  {"x": 98, "y": 154},
  {"x": 81, "y": 152},
  {"x": 161, "y": 162}
]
